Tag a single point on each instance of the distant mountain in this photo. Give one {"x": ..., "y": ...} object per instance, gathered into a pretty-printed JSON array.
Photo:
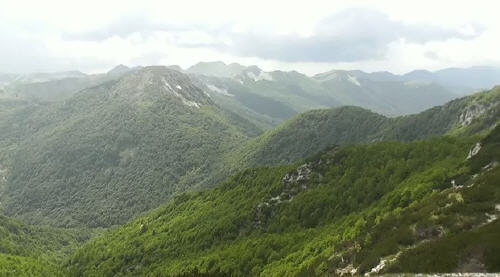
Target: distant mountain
[
  {"x": 6, "y": 79},
  {"x": 386, "y": 97},
  {"x": 115, "y": 150},
  {"x": 44, "y": 77},
  {"x": 53, "y": 87},
  {"x": 268, "y": 98},
  {"x": 239, "y": 89},
  {"x": 473, "y": 77},
  {"x": 464, "y": 80},
  {"x": 217, "y": 69},
  {"x": 119, "y": 69}
]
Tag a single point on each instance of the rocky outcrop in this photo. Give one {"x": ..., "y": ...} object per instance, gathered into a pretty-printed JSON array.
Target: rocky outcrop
[
  {"x": 472, "y": 112},
  {"x": 349, "y": 270},
  {"x": 474, "y": 150},
  {"x": 292, "y": 183}
]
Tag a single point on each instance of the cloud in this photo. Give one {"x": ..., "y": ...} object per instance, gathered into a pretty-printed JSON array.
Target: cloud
[
  {"x": 138, "y": 23},
  {"x": 26, "y": 53},
  {"x": 354, "y": 34}
]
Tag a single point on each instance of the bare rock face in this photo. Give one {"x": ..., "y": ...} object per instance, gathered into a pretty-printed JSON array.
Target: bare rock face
[
  {"x": 470, "y": 113},
  {"x": 349, "y": 270},
  {"x": 474, "y": 150}
]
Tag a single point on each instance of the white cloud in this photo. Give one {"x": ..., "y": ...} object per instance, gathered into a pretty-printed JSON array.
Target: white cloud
[{"x": 96, "y": 35}]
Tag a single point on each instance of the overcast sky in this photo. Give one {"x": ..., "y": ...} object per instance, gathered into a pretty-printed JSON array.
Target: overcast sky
[{"x": 308, "y": 36}]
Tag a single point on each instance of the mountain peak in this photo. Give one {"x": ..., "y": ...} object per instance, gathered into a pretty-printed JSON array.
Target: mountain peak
[
  {"x": 159, "y": 81},
  {"x": 119, "y": 69}
]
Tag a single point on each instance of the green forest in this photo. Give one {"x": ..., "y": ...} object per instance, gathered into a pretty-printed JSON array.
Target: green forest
[{"x": 269, "y": 221}]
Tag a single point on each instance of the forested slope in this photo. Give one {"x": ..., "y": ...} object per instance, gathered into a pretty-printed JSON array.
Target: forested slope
[
  {"x": 347, "y": 209},
  {"x": 312, "y": 131},
  {"x": 113, "y": 151},
  {"x": 27, "y": 250}
]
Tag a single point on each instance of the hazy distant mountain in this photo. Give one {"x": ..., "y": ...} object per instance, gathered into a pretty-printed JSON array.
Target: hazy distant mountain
[
  {"x": 217, "y": 69},
  {"x": 381, "y": 92},
  {"x": 119, "y": 69},
  {"x": 57, "y": 86},
  {"x": 267, "y": 98},
  {"x": 480, "y": 77},
  {"x": 461, "y": 80},
  {"x": 467, "y": 79},
  {"x": 44, "y": 77}
]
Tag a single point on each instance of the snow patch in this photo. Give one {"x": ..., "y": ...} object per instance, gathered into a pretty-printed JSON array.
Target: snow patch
[
  {"x": 353, "y": 80},
  {"x": 166, "y": 85},
  {"x": 222, "y": 91},
  {"x": 183, "y": 99},
  {"x": 262, "y": 76}
]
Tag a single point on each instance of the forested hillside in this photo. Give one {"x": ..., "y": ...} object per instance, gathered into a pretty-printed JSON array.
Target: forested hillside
[
  {"x": 113, "y": 151},
  {"x": 249, "y": 138},
  {"x": 124, "y": 147},
  {"x": 385, "y": 206},
  {"x": 35, "y": 250},
  {"x": 312, "y": 131}
]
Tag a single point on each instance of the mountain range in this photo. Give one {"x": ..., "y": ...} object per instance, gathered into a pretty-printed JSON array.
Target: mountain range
[
  {"x": 268, "y": 98},
  {"x": 228, "y": 170},
  {"x": 115, "y": 150}
]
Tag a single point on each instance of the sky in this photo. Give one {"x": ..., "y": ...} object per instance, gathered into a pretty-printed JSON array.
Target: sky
[{"x": 307, "y": 36}]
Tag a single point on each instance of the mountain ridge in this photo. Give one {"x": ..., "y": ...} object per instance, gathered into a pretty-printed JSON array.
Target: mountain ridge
[{"x": 100, "y": 148}]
